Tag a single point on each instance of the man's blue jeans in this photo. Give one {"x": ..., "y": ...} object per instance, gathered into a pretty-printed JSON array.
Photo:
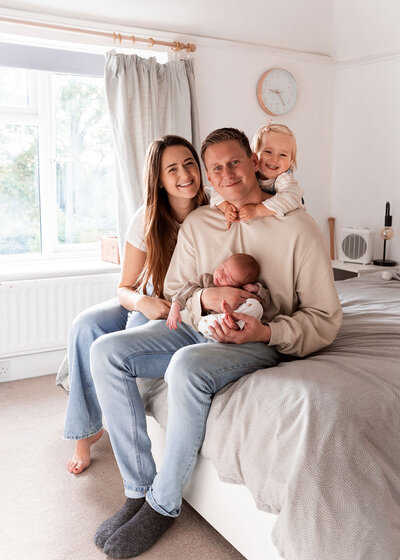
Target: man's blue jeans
[
  {"x": 84, "y": 415},
  {"x": 194, "y": 368}
]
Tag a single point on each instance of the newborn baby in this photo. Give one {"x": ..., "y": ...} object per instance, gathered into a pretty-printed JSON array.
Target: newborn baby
[{"x": 238, "y": 271}]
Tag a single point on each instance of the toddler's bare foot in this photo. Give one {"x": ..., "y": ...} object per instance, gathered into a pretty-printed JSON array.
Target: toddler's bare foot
[
  {"x": 228, "y": 318},
  {"x": 81, "y": 458}
]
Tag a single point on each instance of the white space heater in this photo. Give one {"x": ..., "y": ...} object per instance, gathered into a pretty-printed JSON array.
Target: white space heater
[{"x": 356, "y": 245}]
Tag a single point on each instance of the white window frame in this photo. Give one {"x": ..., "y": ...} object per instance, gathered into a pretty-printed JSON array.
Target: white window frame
[
  {"x": 40, "y": 113},
  {"x": 31, "y": 108}
]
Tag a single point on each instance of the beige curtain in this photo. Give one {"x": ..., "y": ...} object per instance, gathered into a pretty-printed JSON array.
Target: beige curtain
[{"x": 146, "y": 100}]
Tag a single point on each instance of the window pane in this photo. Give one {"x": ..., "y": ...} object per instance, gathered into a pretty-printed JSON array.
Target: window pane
[
  {"x": 19, "y": 190},
  {"x": 14, "y": 87},
  {"x": 84, "y": 156}
]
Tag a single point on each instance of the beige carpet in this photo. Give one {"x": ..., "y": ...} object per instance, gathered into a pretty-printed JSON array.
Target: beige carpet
[{"x": 46, "y": 513}]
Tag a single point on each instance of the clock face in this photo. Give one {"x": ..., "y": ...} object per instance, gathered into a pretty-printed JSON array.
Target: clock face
[{"x": 277, "y": 91}]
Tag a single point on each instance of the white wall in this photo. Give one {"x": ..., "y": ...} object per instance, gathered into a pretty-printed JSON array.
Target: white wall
[
  {"x": 346, "y": 116},
  {"x": 227, "y": 73},
  {"x": 226, "y": 79},
  {"x": 305, "y": 25},
  {"x": 366, "y": 136},
  {"x": 365, "y": 27}
]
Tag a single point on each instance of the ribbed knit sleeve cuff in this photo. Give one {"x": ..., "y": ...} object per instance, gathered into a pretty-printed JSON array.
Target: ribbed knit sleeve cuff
[
  {"x": 196, "y": 307},
  {"x": 272, "y": 205},
  {"x": 179, "y": 300},
  {"x": 277, "y": 330}
]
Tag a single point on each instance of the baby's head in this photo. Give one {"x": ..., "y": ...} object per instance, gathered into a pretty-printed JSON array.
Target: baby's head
[
  {"x": 275, "y": 145},
  {"x": 237, "y": 270}
]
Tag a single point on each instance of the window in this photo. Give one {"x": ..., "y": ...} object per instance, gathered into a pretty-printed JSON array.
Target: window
[
  {"x": 14, "y": 89},
  {"x": 19, "y": 189},
  {"x": 56, "y": 163},
  {"x": 84, "y": 160}
]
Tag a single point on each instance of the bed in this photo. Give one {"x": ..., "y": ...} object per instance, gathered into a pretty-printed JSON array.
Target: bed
[{"x": 302, "y": 461}]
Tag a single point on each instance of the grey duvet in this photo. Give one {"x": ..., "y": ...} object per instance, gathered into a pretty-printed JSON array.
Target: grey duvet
[{"x": 317, "y": 440}]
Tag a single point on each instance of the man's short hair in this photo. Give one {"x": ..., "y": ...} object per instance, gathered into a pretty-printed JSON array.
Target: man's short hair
[{"x": 223, "y": 135}]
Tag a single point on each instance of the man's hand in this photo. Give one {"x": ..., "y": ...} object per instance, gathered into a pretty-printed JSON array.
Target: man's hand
[
  {"x": 212, "y": 298},
  {"x": 253, "y": 331}
]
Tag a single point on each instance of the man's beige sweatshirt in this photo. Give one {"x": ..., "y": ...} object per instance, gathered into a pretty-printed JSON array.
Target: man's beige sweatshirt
[{"x": 305, "y": 313}]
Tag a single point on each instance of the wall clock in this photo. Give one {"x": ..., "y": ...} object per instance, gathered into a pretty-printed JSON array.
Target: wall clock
[{"x": 277, "y": 91}]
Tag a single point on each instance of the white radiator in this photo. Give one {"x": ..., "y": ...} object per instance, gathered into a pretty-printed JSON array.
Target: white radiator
[{"x": 35, "y": 315}]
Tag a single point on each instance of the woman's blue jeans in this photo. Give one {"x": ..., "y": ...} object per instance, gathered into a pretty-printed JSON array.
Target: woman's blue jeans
[
  {"x": 84, "y": 415},
  {"x": 194, "y": 368}
]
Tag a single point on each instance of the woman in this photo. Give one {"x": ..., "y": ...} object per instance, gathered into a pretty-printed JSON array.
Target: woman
[{"x": 173, "y": 188}]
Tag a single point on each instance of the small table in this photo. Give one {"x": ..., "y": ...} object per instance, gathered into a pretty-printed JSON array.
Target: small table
[{"x": 343, "y": 270}]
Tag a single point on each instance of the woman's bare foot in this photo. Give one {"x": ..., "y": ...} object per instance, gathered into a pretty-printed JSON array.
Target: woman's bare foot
[
  {"x": 228, "y": 318},
  {"x": 81, "y": 459}
]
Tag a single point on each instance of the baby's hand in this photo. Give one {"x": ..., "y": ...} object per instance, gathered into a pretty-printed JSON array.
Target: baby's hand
[
  {"x": 174, "y": 316},
  {"x": 230, "y": 211},
  {"x": 252, "y": 288},
  {"x": 248, "y": 212}
]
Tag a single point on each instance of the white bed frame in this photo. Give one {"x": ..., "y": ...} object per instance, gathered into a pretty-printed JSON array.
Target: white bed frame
[{"x": 229, "y": 508}]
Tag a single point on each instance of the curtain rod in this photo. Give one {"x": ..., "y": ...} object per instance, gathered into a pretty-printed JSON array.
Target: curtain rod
[{"x": 174, "y": 45}]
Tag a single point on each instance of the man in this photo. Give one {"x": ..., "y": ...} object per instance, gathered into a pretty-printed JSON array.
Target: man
[{"x": 303, "y": 317}]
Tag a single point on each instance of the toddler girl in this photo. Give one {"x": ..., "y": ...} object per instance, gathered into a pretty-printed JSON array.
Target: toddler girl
[{"x": 276, "y": 148}]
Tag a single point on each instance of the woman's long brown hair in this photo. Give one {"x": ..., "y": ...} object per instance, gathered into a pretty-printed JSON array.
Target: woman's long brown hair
[{"x": 160, "y": 226}]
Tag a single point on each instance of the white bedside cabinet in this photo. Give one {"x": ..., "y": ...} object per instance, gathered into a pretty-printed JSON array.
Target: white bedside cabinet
[{"x": 343, "y": 270}]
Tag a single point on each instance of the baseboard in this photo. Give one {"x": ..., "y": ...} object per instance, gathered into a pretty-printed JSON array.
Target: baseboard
[{"x": 31, "y": 365}]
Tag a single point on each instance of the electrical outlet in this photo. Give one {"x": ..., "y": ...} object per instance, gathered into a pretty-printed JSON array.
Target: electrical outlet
[{"x": 4, "y": 369}]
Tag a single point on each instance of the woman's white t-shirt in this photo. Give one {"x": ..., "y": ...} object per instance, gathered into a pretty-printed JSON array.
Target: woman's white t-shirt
[{"x": 135, "y": 233}]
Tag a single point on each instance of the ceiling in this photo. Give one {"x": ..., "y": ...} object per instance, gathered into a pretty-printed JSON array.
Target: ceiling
[
  {"x": 342, "y": 29},
  {"x": 304, "y": 25}
]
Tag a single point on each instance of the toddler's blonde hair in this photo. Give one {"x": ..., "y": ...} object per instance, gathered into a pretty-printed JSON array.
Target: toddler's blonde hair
[{"x": 275, "y": 127}]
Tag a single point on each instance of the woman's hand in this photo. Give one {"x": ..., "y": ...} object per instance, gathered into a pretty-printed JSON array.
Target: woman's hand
[
  {"x": 212, "y": 298},
  {"x": 131, "y": 299},
  {"x": 153, "y": 308},
  {"x": 253, "y": 331}
]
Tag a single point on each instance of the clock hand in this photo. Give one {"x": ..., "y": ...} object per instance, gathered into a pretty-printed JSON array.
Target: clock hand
[{"x": 277, "y": 93}]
